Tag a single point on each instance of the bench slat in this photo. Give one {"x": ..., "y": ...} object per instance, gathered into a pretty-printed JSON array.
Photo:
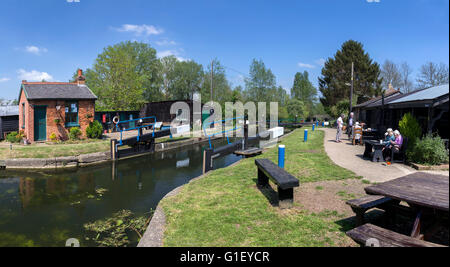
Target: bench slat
[
  {"x": 386, "y": 237},
  {"x": 368, "y": 202},
  {"x": 279, "y": 176}
]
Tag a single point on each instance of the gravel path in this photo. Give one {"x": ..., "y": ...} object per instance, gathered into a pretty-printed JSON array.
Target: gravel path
[{"x": 350, "y": 157}]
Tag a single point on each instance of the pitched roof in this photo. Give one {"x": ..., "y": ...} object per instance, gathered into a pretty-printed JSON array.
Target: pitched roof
[
  {"x": 378, "y": 100},
  {"x": 9, "y": 111},
  {"x": 425, "y": 94},
  {"x": 60, "y": 91}
]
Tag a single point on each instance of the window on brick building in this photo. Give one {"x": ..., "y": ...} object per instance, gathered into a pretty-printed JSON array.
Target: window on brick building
[{"x": 71, "y": 114}]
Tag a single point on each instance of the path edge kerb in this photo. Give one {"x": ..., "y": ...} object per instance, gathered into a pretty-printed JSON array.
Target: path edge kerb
[{"x": 154, "y": 234}]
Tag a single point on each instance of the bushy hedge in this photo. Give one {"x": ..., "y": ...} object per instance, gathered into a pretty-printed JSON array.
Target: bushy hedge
[
  {"x": 94, "y": 130},
  {"x": 75, "y": 133},
  {"x": 429, "y": 150}
]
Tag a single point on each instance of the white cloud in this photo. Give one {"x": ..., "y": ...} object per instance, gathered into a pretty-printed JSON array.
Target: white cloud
[
  {"x": 35, "y": 50},
  {"x": 167, "y": 53},
  {"x": 140, "y": 30},
  {"x": 2, "y": 80},
  {"x": 320, "y": 62},
  {"x": 373, "y": 1},
  {"x": 305, "y": 65},
  {"x": 34, "y": 75},
  {"x": 165, "y": 42}
]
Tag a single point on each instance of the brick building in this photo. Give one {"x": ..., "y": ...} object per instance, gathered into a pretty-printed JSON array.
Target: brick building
[{"x": 54, "y": 107}]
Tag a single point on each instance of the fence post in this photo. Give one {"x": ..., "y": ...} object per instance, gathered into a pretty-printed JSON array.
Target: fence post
[
  {"x": 245, "y": 134},
  {"x": 207, "y": 160},
  {"x": 113, "y": 149},
  {"x": 306, "y": 135},
  {"x": 281, "y": 155}
]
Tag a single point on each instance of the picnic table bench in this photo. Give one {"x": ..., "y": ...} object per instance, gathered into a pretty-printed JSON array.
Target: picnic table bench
[
  {"x": 361, "y": 205},
  {"x": 427, "y": 196},
  {"x": 385, "y": 238},
  {"x": 377, "y": 147},
  {"x": 284, "y": 180}
]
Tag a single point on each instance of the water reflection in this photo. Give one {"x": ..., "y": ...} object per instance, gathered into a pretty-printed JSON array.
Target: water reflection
[{"x": 47, "y": 208}]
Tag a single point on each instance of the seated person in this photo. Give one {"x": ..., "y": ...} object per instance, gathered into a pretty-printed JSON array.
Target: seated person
[
  {"x": 390, "y": 137},
  {"x": 357, "y": 131},
  {"x": 395, "y": 145}
]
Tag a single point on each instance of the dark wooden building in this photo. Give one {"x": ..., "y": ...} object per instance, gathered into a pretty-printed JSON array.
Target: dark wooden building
[
  {"x": 429, "y": 106},
  {"x": 9, "y": 120},
  {"x": 161, "y": 110}
]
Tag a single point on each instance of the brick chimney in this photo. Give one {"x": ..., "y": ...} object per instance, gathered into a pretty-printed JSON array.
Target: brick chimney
[{"x": 80, "y": 78}]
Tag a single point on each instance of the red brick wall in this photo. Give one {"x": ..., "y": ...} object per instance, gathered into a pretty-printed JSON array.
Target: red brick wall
[{"x": 85, "y": 107}]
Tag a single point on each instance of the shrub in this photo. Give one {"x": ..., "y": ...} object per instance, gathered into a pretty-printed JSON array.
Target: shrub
[
  {"x": 53, "y": 137},
  {"x": 74, "y": 133},
  {"x": 94, "y": 130},
  {"x": 429, "y": 150},
  {"x": 410, "y": 128},
  {"x": 13, "y": 137}
]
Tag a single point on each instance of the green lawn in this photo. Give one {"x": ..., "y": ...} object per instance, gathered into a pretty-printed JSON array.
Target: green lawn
[
  {"x": 65, "y": 149},
  {"x": 51, "y": 151},
  {"x": 225, "y": 208}
]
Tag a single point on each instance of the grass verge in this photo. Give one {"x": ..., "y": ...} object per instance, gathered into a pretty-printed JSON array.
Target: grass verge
[
  {"x": 52, "y": 151},
  {"x": 225, "y": 208}
]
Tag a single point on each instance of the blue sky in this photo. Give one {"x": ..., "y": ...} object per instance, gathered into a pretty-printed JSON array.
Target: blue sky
[{"x": 51, "y": 38}]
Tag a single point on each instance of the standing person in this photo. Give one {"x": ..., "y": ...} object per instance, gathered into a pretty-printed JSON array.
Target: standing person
[
  {"x": 350, "y": 125},
  {"x": 340, "y": 124}
]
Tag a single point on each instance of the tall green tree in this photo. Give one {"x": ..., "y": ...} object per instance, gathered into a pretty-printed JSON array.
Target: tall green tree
[
  {"x": 167, "y": 73},
  {"x": 337, "y": 74},
  {"x": 304, "y": 90},
  {"x": 125, "y": 76},
  {"x": 236, "y": 95},
  {"x": 296, "y": 108},
  {"x": 187, "y": 79},
  {"x": 261, "y": 82}
]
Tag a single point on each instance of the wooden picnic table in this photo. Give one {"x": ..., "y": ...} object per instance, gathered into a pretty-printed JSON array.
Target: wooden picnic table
[
  {"x": 426, "y": 194},
  {"x": 378, "y": 150}
]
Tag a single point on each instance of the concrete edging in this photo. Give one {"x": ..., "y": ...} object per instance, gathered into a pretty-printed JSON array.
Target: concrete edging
[{"x": 85, "y": 160}]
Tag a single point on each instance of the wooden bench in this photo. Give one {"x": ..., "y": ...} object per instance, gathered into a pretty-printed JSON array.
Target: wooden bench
[
  {"x": 361, "y": 205},
  {"x": 285, "y": 181},
  {"x": 368, "y": 234},
  {"x": 402, "y": 151},
  {"x": 251, "y": 152}
]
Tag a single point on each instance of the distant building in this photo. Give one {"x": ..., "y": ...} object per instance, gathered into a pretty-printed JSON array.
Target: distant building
[
  {"x": 9, "y": 120},
  {"x": 55, "y": 107},
  {"x": 161, "y": 110}
]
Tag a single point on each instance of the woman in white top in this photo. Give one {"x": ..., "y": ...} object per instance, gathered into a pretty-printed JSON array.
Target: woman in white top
[{"x": 340, "y": 124}]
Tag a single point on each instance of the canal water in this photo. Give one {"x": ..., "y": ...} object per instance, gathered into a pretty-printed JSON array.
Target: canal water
[{"x": 47, "y": 208}]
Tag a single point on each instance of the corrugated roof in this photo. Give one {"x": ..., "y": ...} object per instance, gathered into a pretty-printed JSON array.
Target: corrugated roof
[
  {"x": 426, "y": 94},
  {"x": 36, "y": 91},
  {"x": 9, "y": 111}
]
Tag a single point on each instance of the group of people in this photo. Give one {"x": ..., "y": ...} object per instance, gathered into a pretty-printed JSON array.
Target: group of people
[
  {"x": 393, "y": 139},
  {"x": 340, "y": 126},
  {"x": 392, "y": 142}
]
